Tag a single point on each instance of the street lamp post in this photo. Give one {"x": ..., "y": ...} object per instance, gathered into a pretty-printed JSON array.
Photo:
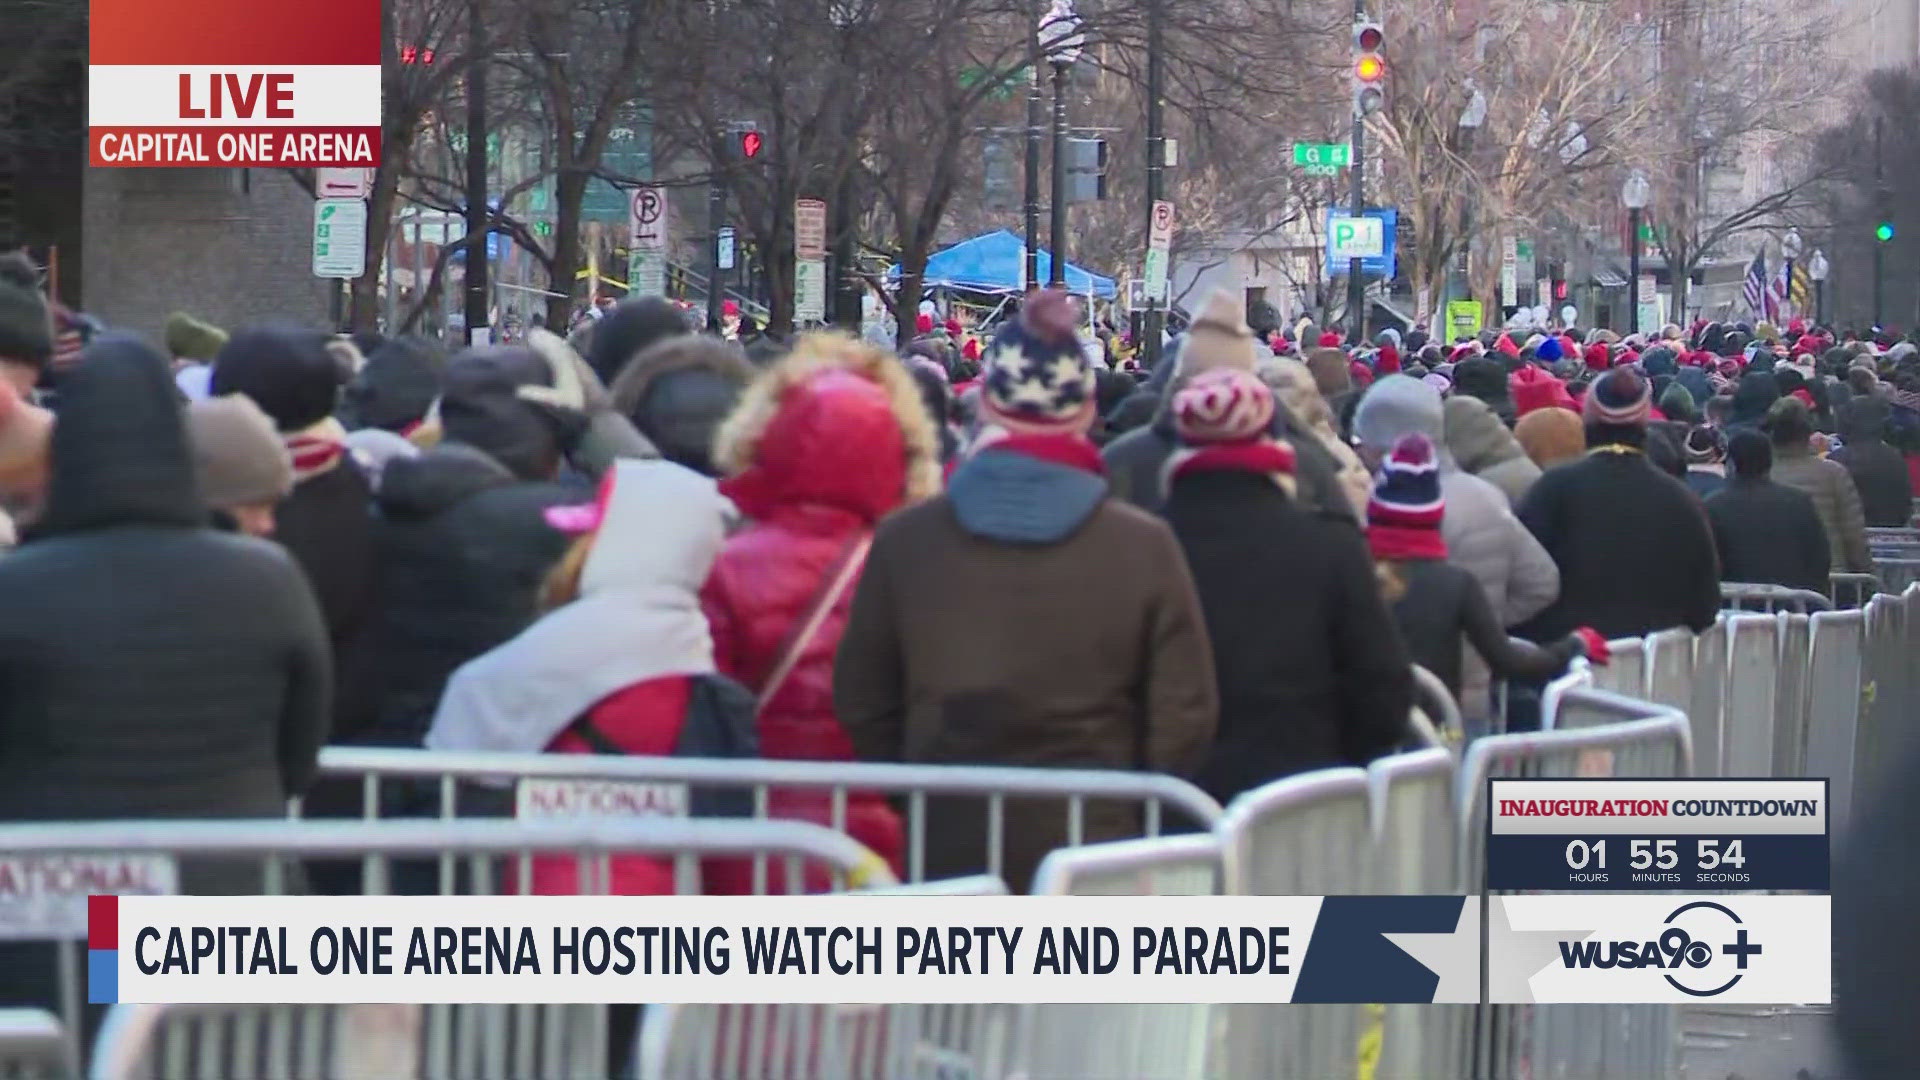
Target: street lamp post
[
  {"x": 1634, "y": 193},
  {"x": 1062, "y": 40},
  {"x": 1817, "y": 268}
]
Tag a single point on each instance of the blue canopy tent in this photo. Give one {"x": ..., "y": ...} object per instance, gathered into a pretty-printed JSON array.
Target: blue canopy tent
[{"x": 991, "y": 263}]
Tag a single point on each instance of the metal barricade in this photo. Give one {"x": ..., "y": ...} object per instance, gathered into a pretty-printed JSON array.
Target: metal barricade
[
  {"x": 1074, "y": 789},
  {"x": 1753, "y": 649},
  {"x": 1669, "y": 659},
  {"x": 1881, "y": 725},
  {"x": 1706, "y": 711},
  {"x": 1162, "y": 1042},
  {"x": 1416, "y": 844},
  {"x": 1835, "y": 664},
  {"x": 467, "y": 1042},
  {"x": 833, "y": 1042},
  {"x": 1750, "y": 596},
  {"x": 1626, "y": 672},
  {"x": 33, "y": 1046},
  {"x": 1852, "y": 590},
  {"x": 1790, "y": 697},
  {"x": 1897, "y": 572},
  {"x": 1305, "y": 835},
  {"x": 1572, "y": 1042},
  {"x": 1436, "y": 720}
]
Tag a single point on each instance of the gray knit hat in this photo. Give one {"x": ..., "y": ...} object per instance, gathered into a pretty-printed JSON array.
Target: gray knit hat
[{"x": 238, "y": 457}]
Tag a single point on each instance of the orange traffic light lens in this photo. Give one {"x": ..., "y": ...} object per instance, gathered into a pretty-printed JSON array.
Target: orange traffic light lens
[{"x": 1369, "y": 69}]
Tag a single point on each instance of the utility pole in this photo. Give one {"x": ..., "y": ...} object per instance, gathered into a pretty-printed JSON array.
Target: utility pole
[
  {"x": 716, "y": 220},
  {"x": 1364, "y": 100},
  {"x": 1879, "y": 241},
  {"x": 1154, "y": 325},
  {"x": 478, "y": 332},
  {"x": 1057, "y": 268},
  {"x": 1031, "y": 277}
]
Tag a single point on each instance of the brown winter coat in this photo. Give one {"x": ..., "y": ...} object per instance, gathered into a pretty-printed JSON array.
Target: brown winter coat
[
  {"x": 1086, "y": 653},
  {"x": 1837, "y": 500}
]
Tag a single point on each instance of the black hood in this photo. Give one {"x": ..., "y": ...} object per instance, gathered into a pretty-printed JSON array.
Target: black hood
[
  {"x": 120, "y": 452},
  {"x": 1754, "y": 396},
  {"x": 482, "y": 407},
  {"x": 677, "y": 393},
  {"x": 421, "y": 487}
]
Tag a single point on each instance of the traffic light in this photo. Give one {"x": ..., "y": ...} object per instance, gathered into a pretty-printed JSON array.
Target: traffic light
[
  {"x": 1369, "y": 68},
  {"x": 1883, "y": 232},
  {"x": 744, "y": 144},
  {"x": 414, "y": 54},
  {"x": 1086, "y": 170}
]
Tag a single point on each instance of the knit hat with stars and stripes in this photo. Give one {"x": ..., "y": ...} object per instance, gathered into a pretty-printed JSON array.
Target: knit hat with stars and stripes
[{"x": 1036, "y": 380}]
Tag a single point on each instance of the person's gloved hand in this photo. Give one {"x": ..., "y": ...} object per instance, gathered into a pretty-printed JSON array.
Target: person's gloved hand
[{"x": 1594, "y": 646}]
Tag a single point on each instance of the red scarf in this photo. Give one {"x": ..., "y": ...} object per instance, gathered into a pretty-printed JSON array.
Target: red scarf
[
  {"x": 1256, "y": 456},
  {"x": 1393, "y": 543},
  {"x": 316, "y": 449},
  {"x": 1073, "y": 451}
]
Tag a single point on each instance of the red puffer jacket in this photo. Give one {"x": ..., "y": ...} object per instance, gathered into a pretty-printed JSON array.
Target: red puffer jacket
[{"x": 819, "y": 454}]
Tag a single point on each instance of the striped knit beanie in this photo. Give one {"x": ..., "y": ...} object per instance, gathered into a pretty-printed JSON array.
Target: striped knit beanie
[
  {"x": 1407, "y": 492},
  {"x": 1621, "y": 397},
  {"x": 1036, "y": 380},
  {"x": 1406, "y": 507},
  {"x": 1223, "y": 405}
]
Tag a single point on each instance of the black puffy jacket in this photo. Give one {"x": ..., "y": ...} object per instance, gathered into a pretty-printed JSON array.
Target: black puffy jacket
[
  {"x": 1878, "y": 470},
  {"x": 462, "y": 547}
]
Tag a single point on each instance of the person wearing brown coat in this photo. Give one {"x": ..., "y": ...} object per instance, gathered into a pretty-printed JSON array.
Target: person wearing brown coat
[
  {"x": 1027, "y": 618},
  {"x": 1827, "y": 483}
]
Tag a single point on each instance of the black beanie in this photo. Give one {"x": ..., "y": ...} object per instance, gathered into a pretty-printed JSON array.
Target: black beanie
[
  {"x": 287, "y": 371},
  {"x": 627, "y": 330}
]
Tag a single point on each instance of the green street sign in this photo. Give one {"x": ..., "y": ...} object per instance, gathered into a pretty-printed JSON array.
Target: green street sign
[{"x": 1323, "y": 155}]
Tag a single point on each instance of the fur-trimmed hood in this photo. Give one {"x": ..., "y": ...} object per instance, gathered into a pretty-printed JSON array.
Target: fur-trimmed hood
[{"x": 837, "y": 421}]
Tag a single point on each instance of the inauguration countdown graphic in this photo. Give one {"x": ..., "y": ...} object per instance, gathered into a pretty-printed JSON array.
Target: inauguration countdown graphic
[{"x": 1664, "y": 874}]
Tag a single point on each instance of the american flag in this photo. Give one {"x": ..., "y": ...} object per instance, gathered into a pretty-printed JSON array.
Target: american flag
[
  {"x": 1777, "y": 294},
  {"x": 1756, "y": 288}
]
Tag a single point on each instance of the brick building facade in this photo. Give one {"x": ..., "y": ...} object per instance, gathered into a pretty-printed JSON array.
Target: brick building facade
[{"x": 231, "y": 246}]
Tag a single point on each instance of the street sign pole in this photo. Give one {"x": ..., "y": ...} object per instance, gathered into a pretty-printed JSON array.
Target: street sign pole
[{"x": 809, "y": 261}]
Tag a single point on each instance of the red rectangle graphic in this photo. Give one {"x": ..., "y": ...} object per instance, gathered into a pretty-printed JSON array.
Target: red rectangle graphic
[
  {"x": 253, "y": 33},
  {"x": 103, "y": 922}
]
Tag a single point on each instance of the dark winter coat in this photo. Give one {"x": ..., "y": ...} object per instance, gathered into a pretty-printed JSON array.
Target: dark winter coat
[
  {"x": 462, "y": 549},
  {"x": 1310, "y": 670},
  {"x": 1836, "y": 500},
  {"x": 677, "y": 392},
  {"x": 149, "y": 666},
  {"x": 1136, "y": 463},
  {"x": 1768, "y": 534},
  {"x": 1878, "y": 470},
  {"x": 327, "y": 526},
  {"x": 1059, "y": 630},
  {"x": 1632, "y": 544},
  {"x": 1444, "y": 606}
]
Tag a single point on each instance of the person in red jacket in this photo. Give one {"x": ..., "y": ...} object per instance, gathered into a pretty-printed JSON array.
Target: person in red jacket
[
  {"x": 622, "y": 664},
  {"x": 826, "y": 443}
]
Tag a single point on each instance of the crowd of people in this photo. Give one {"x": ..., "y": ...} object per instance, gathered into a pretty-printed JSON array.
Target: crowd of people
[{"x": 1001, "y": 547}]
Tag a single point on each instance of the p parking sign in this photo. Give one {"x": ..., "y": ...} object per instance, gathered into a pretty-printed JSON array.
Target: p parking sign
[{"x": 1355, "y": 238}]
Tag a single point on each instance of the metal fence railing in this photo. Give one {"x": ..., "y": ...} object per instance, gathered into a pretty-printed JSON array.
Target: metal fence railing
[
  {"x": 464, "y": 1042},
  {"x": 449, "y": 779}
]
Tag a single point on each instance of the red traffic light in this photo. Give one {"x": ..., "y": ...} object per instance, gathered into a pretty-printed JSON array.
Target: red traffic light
[
  {"x": 412, "y": 54},
  {"x": 750, "y": 144},
  {"x": 1367, "y": 37}
]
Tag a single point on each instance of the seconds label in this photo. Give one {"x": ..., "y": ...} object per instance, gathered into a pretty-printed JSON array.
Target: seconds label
[{"x": 1658, "y": 835}]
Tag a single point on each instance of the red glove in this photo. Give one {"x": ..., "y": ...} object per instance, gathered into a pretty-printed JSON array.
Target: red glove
[{"x": 1597, "y": 652}]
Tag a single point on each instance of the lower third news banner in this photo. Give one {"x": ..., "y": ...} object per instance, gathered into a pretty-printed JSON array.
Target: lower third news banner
[{"x": 855, "y": 949}]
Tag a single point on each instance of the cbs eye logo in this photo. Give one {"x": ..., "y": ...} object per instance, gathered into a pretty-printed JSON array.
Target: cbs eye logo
[{"x": 1684, "y": 952}]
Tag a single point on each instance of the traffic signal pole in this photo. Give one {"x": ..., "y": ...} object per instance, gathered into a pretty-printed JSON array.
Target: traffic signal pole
[
  {"x": 1879, "y": 245},
  {"x": 478, "y": 332},
  {"x": 716, "y": 220},
  {"x": 1031, "y": 277},
  {"x": 1356, "y": 282},
  {"x": 1154, "y": 325}
]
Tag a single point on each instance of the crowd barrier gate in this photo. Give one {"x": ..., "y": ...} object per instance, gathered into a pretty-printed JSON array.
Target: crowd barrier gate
[
  {"x": 1571, "y": 1042},
  {"x": 33, "y": 1046},
  {"x": 479, "y": 1042},
  {"x": 448, "y": 773}
]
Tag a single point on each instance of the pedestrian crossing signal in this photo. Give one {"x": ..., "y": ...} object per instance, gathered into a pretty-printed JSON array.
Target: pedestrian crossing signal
[{"x": 750, "y": 144}]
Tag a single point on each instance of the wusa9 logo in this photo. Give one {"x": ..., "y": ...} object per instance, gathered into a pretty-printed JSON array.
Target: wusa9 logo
[{"x": 1703, "y": 951}]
